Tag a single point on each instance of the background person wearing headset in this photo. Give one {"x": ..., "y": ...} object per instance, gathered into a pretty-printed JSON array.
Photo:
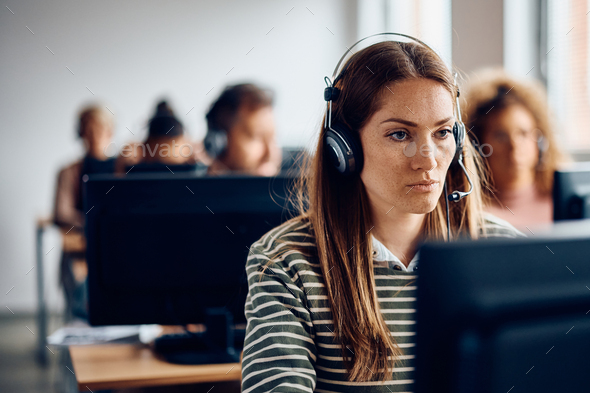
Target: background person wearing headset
[
  {"x": 241, "y": 133},
  {"x": 331, "y": 303},
  {"x": 511, "y": 117}
]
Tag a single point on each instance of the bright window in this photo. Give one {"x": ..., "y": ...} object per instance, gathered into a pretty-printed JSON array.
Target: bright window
[
  {"x": 568, "y": 70},
  {"x": 427, "y": 20}
]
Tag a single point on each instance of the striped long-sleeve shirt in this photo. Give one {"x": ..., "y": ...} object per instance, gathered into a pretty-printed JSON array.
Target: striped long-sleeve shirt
[{"x": 290, "y": 345}]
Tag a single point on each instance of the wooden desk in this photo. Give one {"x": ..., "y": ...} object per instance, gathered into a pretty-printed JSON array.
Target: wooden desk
[{"x": 125, "y": 366}]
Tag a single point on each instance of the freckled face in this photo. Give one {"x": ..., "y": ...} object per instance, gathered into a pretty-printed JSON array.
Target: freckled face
[
  {"x": 407, "y": 141},
  {"x": 512, "y": 134}
]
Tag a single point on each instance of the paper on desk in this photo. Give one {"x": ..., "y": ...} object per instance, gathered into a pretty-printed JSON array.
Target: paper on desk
[{"x": 88, "y": 335}]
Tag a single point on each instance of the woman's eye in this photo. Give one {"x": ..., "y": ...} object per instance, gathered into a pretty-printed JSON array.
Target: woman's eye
[
  {"x": 442, "y": 134},
  {"x": 399, "y": 135}
]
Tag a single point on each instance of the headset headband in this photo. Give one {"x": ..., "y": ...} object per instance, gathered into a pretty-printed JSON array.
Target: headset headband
[
  {"x": 349, "y": 49},
  {"x": 331, "y": 93}
]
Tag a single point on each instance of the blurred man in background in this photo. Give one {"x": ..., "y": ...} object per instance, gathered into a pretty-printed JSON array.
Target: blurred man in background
[{"x": 241, "y": 134}]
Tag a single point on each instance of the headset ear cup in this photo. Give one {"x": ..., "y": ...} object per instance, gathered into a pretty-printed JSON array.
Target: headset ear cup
[
  {"x": 543, "y": 146},
  {"x": 336, "y": 151},
  {"x": 459, "y": 135},
  {"x": 215, "y": 143},
  {"x": 344, "y": 149}
]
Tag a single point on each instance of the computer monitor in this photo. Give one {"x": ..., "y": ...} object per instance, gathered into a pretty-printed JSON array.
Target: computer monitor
[
  {"x": 571, "y": 192},
  {"x": 172, "y": 169},
  {"x": 163, "y": 249},
  {"x": 505, "y": 315}
]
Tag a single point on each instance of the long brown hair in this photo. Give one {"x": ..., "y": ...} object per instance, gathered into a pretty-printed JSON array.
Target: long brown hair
[
  {"x": 494, "y": 88},
  {"x": 337, "y": 207}
]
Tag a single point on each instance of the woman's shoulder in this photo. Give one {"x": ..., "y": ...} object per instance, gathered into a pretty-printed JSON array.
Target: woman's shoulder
[
  {"x": 297, "y": 229},
  {"x": 290, "y": 242},
  {"x": 497, "y": 227},
  {"x": 71, "y": 170}
]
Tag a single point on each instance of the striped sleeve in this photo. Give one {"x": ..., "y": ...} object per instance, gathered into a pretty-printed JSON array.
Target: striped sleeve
[
  {"x": 279, "y": 350},
  {"x": 496, "y": 227}
]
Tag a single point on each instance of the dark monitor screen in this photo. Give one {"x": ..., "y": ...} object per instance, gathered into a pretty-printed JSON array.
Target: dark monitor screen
[
  {"x": 171, "y": 169},
  {"x": 571, "y": 192},
  {"x": 509, "y": 315},
  {"x": 161, "y": 249}
]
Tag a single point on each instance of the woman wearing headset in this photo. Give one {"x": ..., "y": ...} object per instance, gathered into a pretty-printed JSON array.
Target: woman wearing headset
[
  {"x": 331, "y": 299},
  {"x": 511, "y": 120}
]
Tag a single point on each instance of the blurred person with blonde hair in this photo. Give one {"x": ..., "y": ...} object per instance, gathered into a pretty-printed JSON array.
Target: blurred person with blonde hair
[
  {"x": 95, "y": 128},
  {"x": 509, "y": 121}
]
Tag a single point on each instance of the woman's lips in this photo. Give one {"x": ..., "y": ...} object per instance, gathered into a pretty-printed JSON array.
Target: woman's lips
[{"x": 424, "y": 187}]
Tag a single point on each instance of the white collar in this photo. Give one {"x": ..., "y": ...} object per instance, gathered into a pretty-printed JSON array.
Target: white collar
[{"x": 382, "y": 253}]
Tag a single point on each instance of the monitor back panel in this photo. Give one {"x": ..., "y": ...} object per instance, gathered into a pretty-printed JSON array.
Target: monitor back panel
[
  {"x": 162, "y": 250},
  {"x": 504, "y": 314}
]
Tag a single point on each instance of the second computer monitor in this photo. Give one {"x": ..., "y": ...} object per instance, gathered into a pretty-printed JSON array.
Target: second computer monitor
[
  {"x": 571, "y": 192},
  {"x": 163, "y": 249}
]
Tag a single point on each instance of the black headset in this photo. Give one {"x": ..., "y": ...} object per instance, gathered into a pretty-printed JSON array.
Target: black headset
[
  {"x": 216, "y": 139},
  {"x": 215, "y": 142},
  {"x": 343, "y": 145},
  {"x": 543, "y": 146}
]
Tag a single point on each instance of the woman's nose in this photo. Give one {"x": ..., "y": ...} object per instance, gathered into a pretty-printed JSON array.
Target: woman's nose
[
  {"x": 425, "y": 157},
  {"x": 265, "y": 150},
  {"x": 512, "y": 143}
]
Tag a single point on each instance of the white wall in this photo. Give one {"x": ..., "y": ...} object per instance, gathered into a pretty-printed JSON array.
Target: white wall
[
  {"x": 477, "y": 34},
  {"x": 521, "y": 38},
  {"x": 129, "y": 54}
]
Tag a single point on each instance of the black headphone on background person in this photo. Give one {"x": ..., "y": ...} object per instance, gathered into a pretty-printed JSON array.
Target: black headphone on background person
[
  {"x": 215, "y": 142},
  {"x": 543, "y": 146},
  {"x": 343, "y": 145}
]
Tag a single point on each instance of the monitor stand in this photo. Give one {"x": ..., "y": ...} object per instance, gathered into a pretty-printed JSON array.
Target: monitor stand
[
  {"x": 579, "y": 206},
  {"x": 219, "y": 343}
]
